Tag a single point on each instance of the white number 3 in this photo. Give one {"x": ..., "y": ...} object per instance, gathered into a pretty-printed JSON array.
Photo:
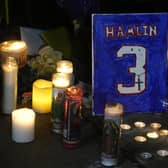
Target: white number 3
[{"x": 138, "y": 71}]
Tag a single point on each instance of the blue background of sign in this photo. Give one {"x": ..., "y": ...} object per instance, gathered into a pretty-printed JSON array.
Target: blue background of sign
[{"x": 108, "y": 70}]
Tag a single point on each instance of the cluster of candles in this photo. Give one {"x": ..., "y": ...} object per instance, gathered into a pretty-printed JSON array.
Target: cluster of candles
[
  {"x": 154, "y": 134},
  {"x": 23, "y": 119}
]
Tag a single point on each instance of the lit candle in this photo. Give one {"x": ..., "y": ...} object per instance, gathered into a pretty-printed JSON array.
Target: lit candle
[
  {"x": 152, "y": 135},
  {"x": 42, "y": 96},
  {"x": 162, "y": 152},
  {"x": 15, "y": 48},
  {"x": 140, "y": 139},
  {"x": 23, "y": 122},
  {"x": 60, "y": 82},
  {"x": 155, "y": 125},
  {"x": 10, "y": 72},
  {"x": 125, "y": 126},
  {"x": 139, "y": 124},
  {"x": 163, "y": 132},
  {"x": 65, "y": 66}
]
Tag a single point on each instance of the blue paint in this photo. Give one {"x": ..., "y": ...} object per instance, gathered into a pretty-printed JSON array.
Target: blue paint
[{"x": 109, "y": 70}]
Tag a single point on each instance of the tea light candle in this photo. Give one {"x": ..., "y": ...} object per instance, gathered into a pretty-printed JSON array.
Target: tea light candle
[
  {"x": 152, "y": 135},
  {"x": 42, "y": 96},
  {"x": 23, "y": 122},
  {"x": 155, "y": 125},
  {"x": 163, "y": 132},
  {"x": 10, "y": 76},
  {"x": 162, "y": 153},
  {"x": 66, "y": 67},
  {"x": 15, "y": 48},
  {"x": 140, "y": 139},
  {"x": 125, "y": 126},
  {"x": 139, "y": 124},
  {"x": 61, "y": 80}
]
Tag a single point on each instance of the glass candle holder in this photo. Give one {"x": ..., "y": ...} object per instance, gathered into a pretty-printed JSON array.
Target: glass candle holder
[
  {"x": 16, "y": 49},
  {"x": 65, "y": 66},
  {"x": 60, "y": 82},
  {"x": 111, "y": 134}
]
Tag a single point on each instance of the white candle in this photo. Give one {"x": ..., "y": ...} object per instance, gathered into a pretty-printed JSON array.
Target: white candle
[
  {"x": 140, "y": 138},
  {"x": 10, "y": 72},
  {"x": 16, "y": 49},
  {"x": 61, "y": 80},
  {"x": 66, "y": 67},
  {"x": 139, "y": 124},
  {"x": 125, "y": 126},
  {"x": 152, "y": 135},
  {"x": 23, "y": 123},
  {"x": 155, "y": 125},
  {"x": 42, "y": 96}
]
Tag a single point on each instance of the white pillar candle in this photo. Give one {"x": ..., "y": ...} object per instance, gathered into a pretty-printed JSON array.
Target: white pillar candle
[
  {"x": 42, "y": 96},
  {"x": 66, "y": 67},
  {"x": 15, "y": 48},
  {"x": 23, "y": 123},
  {"x": 10, "y": 76}
]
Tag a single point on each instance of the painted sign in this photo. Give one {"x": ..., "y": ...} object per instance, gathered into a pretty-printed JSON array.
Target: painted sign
[{"x": 129, "y": 56}]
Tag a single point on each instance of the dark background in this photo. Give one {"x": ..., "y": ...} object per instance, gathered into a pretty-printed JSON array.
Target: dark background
[{"x": 50, "y": 14}]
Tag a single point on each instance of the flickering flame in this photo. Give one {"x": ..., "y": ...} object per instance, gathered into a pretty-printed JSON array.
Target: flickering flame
[
  {"x": 140, "y": 139},
  {"x": 152, "y": 135},
  {"x": 139, "y": 124},
  {"x": 125, "y": 126},
  {"x": 163, "y": 132},
  {"x": 155, "y": 125}
]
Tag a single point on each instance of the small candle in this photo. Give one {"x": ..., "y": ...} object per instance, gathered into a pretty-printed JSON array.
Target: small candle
[
  {"x": 66, "y": 67},
  {"x": 125, "y": 126},
  {"x": 61, "y": 80},
  {"x": 140, "y": 139},
  {"x": 155, "y": 125},
  {"x": 23, "y": 122},
  {"x": 10, "y": 73},
  {"x": 139, "y": 124},
  {"x": 163, "y": 132},
  {"x": 42, "y": 96},
  {"x": 152, "y": 135},
  {"x": 162, "y": 153},
  {"x": 15, "y": 48}
]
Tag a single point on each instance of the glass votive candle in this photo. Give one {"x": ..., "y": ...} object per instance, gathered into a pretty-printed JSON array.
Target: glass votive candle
[
  {"x": 15, "y": 48},
  {"x": 139, "y": 124},
  {"x": 152, "y": 135},
  {"x": 155, "y": 125},
  {"x": 140, "y": 138},
  {"x": 66, "y": 67}
]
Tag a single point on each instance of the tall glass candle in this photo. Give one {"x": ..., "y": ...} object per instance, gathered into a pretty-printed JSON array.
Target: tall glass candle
[
  {"x": 42, "y": 96},
  {"x": 10, "y": 77},
  {"x": 23, "y": 123},
  {"x": 60, "y": 82},
  {"x": 111, "y": 134},
  {"x": 15, "y": 48},
  {"x": 65, "y": 66}
]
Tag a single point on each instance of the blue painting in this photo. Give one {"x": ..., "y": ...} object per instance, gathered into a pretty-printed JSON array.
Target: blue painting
[{"x": 129, "y": 61}]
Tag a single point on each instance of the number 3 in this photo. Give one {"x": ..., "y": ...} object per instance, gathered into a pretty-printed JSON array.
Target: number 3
[{"x": 138, "y": 71}]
